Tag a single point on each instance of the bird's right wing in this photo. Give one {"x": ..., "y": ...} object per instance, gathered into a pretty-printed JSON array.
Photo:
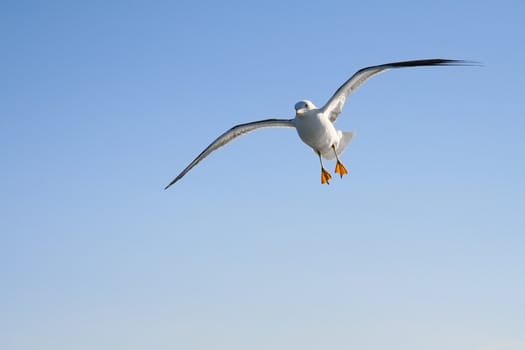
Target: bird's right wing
[
  {"x": 231, "y": 134},
  {"x": 335, "y": 105}
]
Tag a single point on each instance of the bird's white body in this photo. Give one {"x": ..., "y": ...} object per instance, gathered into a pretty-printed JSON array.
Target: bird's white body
[{"x": 317, "y": 131}]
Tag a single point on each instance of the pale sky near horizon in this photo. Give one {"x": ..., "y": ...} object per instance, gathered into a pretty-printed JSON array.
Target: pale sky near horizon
[{"x": 103, "y": 103}]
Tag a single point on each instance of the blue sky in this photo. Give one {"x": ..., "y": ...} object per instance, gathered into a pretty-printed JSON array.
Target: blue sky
[{"x": 102, "y": 104}]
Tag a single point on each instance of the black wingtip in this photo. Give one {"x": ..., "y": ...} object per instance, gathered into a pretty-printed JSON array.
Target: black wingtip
[
  {"x": 447, "y": 62},
  {"x": 172, "y": 182},
  {"x": 433, "y": 62},
  {"x": 469, "y": 63}
]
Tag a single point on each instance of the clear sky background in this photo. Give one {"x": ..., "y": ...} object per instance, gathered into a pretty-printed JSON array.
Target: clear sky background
[{"x": 102, "y": 103}]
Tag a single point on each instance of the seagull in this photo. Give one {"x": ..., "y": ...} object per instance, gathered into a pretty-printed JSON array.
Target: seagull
[{"x": 315, "y": 126}]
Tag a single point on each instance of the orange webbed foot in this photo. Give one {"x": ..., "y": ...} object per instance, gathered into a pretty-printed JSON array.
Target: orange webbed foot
[
  {"x": 325, "y": 176},
  {"x": 340, "y": 169}
]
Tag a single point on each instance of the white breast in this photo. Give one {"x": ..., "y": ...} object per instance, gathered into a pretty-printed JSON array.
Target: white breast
[{"x": 317, "y": 131}]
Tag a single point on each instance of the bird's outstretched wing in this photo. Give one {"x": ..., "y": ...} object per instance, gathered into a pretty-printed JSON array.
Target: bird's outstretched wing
[
  {"x": 231, "y": 134},
  {"x": 334, "y": 106}
]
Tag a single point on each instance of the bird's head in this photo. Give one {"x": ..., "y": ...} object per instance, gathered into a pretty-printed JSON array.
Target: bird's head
[{"x": 303, "y": 106}]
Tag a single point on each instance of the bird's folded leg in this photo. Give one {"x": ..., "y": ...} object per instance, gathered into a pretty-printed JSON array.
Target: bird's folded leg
[
  {"x": 340, "y": 169},
  {"x": 325, "y": 176}
]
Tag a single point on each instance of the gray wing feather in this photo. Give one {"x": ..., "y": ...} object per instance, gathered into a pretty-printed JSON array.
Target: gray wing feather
[
  {"x": 334, "y": 106},
  {"x": 230, "y": 135}
]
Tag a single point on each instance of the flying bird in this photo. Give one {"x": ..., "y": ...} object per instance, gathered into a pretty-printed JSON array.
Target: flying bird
[{"x": 315, "y": 126}]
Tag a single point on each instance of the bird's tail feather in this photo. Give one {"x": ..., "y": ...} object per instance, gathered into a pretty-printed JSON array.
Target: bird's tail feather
[{"x": 344, "y": 140}]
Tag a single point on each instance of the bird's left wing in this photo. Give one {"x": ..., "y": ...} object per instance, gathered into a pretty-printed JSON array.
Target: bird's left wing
[
  {"x": 231, "y": 134},
  {"x": 334, "y": 106}
]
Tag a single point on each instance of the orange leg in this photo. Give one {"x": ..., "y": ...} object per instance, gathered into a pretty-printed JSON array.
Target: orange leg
[
  {"x": 339, "y": 167},
  {"x": 325, "y": 175}
]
